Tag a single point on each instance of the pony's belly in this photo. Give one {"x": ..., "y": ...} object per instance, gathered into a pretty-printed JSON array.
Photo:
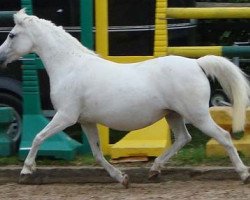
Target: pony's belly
[
  {"x": 128, "y": 121},
  {"x": 130, "y": 125}
]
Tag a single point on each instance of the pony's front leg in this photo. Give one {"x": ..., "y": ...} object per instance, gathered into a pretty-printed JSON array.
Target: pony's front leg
[
  {"x": 92, "y": 134},
  {"x": 57, "y": 124}
]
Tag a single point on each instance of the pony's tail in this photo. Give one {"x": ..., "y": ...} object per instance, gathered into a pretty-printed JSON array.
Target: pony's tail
[{"x": 234, "y": 83}]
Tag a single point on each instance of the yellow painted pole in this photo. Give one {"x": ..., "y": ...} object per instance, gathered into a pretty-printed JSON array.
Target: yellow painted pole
[
  {"x": 128, "y": 59},
  {"x": 160, "y": 36},
  {"x": 104, "y": 139},
  {"x": 101, "y": 21},
  {"x": 195, "y": 51},
  {"x": 209, "y": 13}
]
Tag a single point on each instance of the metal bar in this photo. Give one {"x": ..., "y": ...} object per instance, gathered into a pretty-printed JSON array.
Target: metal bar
[
  {"x": 128, "y": 59},
  {"x": 234, "y": 51},
  {"x": 6, "y": 14},
  {"x": 209, "y": 13},
  {"x": 198, "y": 51},
  {"x": 195, "y": 51}
]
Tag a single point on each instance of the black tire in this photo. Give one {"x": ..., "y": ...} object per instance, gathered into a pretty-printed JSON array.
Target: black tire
[
  {"x": 15, "y": 128},
  {"x": 219, "y": 98}
]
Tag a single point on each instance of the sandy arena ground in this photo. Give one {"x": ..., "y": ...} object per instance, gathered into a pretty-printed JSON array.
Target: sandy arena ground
[{"x": 193, "y": 190}]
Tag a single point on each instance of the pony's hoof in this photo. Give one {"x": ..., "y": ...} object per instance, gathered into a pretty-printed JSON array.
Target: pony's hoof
[
  {"x": 153, "y": 174},
  {"x": 30, "y": 179},
  {"x": 24, "y": 178},
  {"x": 246, "y": 180},
  {"x": 125, "y": 181}
]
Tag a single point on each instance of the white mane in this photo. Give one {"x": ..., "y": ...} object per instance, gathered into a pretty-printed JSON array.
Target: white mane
[{"x": 20, "y": 17}]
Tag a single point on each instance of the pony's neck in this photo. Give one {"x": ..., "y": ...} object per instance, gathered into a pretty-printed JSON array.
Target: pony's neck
[{"x": 57, "y": 49}]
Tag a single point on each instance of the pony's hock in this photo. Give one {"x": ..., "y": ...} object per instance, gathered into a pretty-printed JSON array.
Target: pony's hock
[
  {"x": 6, "y": 117},
  {"x": 223, "y": 117}
]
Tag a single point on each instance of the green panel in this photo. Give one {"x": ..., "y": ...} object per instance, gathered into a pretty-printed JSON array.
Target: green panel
[
  {"x": 86, "y": 10},
  {"x": 59, "y": 146},
  {"x": 27, "y": 4},
  {"x": 236, "y": 51},
  {"x": 39, "y": 64}
]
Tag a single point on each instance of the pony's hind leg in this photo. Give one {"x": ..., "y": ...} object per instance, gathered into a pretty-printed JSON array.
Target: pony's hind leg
[
  {"x": 210, "y": 128},
  {"x": 92, "y": 134},
  {"x": 182, "y": 137}
]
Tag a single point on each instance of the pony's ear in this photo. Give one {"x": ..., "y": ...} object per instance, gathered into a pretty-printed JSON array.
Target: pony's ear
[{"x": 20, "y": 16}]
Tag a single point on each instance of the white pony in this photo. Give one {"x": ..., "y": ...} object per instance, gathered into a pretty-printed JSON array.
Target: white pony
[{"x": 88, "y": 89}]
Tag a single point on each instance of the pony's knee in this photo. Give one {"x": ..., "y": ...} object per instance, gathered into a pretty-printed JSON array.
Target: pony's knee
[{"x": 38, "y": 140}]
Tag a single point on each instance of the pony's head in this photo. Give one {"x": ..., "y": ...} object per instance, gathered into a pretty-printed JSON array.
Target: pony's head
[{"x": 19, "y": 42}]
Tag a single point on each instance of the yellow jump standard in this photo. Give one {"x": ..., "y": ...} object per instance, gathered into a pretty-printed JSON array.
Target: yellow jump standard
[{"x": 223, "y": 117}]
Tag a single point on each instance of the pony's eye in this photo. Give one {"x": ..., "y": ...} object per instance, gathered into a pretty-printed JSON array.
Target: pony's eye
[{"x": 11, "y": 35}]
